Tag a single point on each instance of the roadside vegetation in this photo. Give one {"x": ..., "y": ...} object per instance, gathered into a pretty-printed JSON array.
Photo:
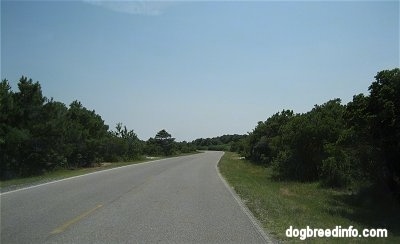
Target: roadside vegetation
[
  {"x": 40, "y": 135},
  {"x": 281, "y": 204},
  {"x": 341, "y": 146},
  {"x": 41, "y": 138},
  {"x": 219, "y": 143},
  {"x": 334, "y": 165}
]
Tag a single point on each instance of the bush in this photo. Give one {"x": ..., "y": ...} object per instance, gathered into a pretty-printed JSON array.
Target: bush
[{"x": 335, "y": 173}]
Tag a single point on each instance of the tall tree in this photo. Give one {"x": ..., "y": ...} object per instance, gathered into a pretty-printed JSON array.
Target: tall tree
[
  {"x": 165, "y": 141},
  {"x": 22, "y": 117},
  {"x": 7, "y": 149},
  {"x": 384, "y": 110},
  {"x": 127, "y": 144},
  {"x": 85, "y": 131}
]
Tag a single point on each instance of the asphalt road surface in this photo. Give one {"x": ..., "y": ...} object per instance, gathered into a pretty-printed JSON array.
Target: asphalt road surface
[{"x": 176, "y": 200}]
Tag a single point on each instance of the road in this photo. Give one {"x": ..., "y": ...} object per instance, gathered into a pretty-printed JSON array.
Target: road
[{"x": 175, "y": 200}]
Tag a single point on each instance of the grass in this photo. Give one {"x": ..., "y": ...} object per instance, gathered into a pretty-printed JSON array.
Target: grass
[
  {"x": 278, "y": 205},
  {"x": 61, "y": 173}
]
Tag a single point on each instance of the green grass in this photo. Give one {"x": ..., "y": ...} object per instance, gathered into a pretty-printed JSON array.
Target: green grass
[
  {"x": 278, "y": 205},
  {"x": 67, "y": 173}
]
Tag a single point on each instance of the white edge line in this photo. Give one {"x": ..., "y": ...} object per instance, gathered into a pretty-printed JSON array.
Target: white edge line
[
  {"x": 78, "y": 176},
  {"x": 254, "y": 221}
]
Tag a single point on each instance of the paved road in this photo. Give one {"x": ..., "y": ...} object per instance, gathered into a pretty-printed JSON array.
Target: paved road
[{"x": 176, "y": 200}]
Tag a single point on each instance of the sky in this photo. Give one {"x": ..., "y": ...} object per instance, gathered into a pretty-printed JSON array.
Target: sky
[{"x": 198, "y": 69}]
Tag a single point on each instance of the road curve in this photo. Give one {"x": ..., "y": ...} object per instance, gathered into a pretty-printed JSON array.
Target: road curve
[{"x": 176, "y": 200}]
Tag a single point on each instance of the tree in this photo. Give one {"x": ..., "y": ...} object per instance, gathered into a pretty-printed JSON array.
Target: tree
[
  {"x": 384, "y": 113},
  {"x": 126, "y": 144},
  {"x": 353, "y": 151},
  {"x": 52, "y": 134},
  {"x": 305, "y": 139},
  {"x": 185, "y": 147},
  {"x": 6, "y": 108},
  {"x": 21, "y": 121},
  {"x": 264, "y": 141},
  {"x": 38, "y": 134},
  {"x": 85, "y": 130},
  {"x": 165, "y": 141},
  {"x": 152, "y": 147}
]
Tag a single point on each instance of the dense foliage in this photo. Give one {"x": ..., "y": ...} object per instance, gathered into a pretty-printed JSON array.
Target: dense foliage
[
  {"x": 39, "y": 134},
  {"x": 334, "y": 143},
  {"x": 219, "y": 143}
]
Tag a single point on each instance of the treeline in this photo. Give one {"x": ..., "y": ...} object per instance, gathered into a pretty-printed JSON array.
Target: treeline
[
  {"x": 39, "y": 134},
  {"x": 334, "y": 143},
  {"x": 220, "y": 143}
]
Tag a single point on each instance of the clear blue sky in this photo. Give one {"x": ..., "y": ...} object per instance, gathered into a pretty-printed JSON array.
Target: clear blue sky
[{"x": 198, "y": 69}]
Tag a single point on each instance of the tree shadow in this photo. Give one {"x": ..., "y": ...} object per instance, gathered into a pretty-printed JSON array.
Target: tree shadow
[{"x": 372, "y": 206}]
